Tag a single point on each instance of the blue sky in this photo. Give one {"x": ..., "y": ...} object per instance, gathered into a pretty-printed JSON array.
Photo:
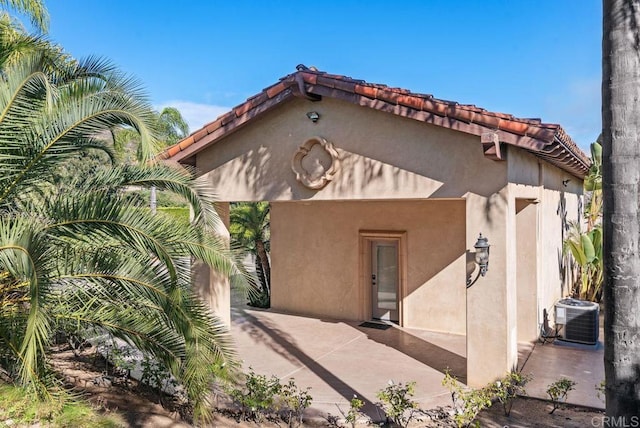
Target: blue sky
[{"x": 528, "y": 58}]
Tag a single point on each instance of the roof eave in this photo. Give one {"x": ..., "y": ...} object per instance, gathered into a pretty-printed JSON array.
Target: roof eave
[{"x": 547, "y": 141}]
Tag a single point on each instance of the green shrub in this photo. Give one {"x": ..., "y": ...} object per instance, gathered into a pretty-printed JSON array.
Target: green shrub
[
  {"x": 261, "y": 396},
  {"x": 353, "y": 414},
  {"x": 258, "y": 395},
  {"x": 259, "y": 298},
  {"x": 506, "y": 390},
  {"x": 467, "y": 403},
  {"x": 155, "y": 375},
  {"x": 395, "y": 400},
  {"x": 559, "y": 390},
  {"x": 295, "y": 401}
]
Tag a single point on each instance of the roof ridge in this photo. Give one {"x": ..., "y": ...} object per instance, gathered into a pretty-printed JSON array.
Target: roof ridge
[
  {"x": 547, "y": 140},
  {"x": 409, "y": 92}
]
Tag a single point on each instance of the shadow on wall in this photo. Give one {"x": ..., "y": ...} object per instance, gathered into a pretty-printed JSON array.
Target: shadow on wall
[
  {"x": 361, "y": 171},
  {"x": 566, "y": 266},
  {"x": 249, "y": 169},
  {"x": 494, "y": 201}
]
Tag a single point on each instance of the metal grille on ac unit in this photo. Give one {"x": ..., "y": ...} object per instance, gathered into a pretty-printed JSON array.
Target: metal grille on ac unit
[{"x": 580, "y": 319}]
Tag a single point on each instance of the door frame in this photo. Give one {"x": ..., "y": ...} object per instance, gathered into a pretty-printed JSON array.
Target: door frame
[{"x": 365, "y": 239}]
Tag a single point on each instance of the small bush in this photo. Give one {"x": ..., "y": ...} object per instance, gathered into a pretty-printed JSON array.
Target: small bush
[
  {"x": 259, "y": 298},
  {"x": 396, "y": 402},
  {"x": 122, "y": 358},
  {"x": 351, "y": 417},
  {"x": 466, "y": 403},
  {"x": 260, "y": 397},
  {"x": 508, "y": 388},
  {"x": 295, "y": 402},
  {"x": 257, "y": 397},
  {"x": 558, "y": 392},
  {"x": 156, "y": 376}
]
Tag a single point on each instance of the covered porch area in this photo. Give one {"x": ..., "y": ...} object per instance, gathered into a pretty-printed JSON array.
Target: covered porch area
[{"x": 340, "y": 359}]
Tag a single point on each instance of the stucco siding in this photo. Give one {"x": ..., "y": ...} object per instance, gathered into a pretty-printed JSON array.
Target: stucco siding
[
  {"x": 431, "y": 188},
  {"x": 562, "y": 205},
  {"x": 381, "y": 155},
  {"x": 317, "y": 268},
  {"x": 557, "y": 197}
]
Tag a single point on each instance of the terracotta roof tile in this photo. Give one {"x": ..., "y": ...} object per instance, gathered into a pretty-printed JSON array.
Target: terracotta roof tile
[
  {"x": 198, "y": 135},
  {"x": 548, "y": 141},
  {"x": 276, "y": 89},
  {"x": 366, "y": 90},
  {"x": 325, "y": 81},
  {"x": 243, "y": 108},
  {"x": 310, "y": 78},
  {"x": 388, "y": 95},
  {"x": 490, "y": 121},
  {"x": 213, "y": 126},
  {"x": 465, "y": 115},
  {"x": 350, "y": 97},
  {"x": 227, "y": 118},
  {"x": 513, "y": 126},
  {"x": 258, "y": 98},
  {"x": 543, "y": 133},
  {"x": 174, "y": 150},
  {"x": 345, "y": 85},
  {"x": 430, "y": 104},
  {"x": 409, "y": 101}
]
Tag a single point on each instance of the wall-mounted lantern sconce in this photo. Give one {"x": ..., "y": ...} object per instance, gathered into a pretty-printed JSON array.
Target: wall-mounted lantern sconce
[
  {"x": 313, "y": 116},
  {"x": 482, "y": 258}
]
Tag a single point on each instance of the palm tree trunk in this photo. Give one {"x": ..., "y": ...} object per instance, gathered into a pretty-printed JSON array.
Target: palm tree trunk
[
  {"x": 264, "y": 261},
  {"x": 621, "y": 176},
  {"x": 260, "y": 273}
]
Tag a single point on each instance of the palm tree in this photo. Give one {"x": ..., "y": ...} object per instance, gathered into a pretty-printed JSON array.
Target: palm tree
[
  {"x": 171, "y": 127},
  {"x": 585, "y": 246},
  {"x": 34, "y": 9},
  {"x": 621, "y": 214},
  {"x": 92, "y": 256},
  {"x": 249, "y": 228}
]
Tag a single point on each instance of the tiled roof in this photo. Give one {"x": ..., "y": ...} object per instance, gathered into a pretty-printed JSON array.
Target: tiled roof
[{"x": 547, "y": 141}]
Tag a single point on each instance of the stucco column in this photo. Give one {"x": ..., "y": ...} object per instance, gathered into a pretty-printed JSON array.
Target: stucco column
[
  {"x": 213, "y": 287},
  {"x": 492, "y": 301}
]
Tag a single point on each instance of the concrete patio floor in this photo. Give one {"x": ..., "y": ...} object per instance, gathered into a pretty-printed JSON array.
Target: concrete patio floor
[{"x": 340, "y": 359}]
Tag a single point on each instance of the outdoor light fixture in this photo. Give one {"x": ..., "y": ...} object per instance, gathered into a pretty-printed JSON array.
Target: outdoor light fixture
[
  {"x": 482, "y": 258},
  {"x": 314, "y": 116}
]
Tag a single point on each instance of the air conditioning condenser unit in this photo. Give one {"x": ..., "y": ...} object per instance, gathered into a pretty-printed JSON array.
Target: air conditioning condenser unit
[{"x": 581, "y": 320}]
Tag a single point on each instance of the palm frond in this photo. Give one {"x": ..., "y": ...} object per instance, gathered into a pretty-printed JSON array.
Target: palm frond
[
  {"x": 87, "y": 251},
  {"x": 34, "y": 9}
]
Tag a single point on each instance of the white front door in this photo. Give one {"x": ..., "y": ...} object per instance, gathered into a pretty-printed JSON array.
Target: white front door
[{"x": 384, "y": 280}]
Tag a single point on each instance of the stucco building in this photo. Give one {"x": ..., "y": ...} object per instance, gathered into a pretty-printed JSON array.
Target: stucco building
[{"x": 378, "y": 196}]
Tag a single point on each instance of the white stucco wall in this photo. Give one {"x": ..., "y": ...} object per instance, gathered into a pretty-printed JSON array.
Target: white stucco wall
[
  {"x": 557, "y": 196},
  {"x": 382, "y": 157},
  {"x": 423, "y": 168},
  {"x": 317, "y": 264}
]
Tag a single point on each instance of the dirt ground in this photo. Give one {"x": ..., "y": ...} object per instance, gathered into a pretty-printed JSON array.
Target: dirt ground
[
  {"x": 84, "y": 373},
  {"x": 531, "y": 412},
  {"x": 140, "y": 407}
]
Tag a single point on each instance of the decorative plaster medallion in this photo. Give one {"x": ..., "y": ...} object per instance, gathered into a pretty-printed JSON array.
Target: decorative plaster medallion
[{"x": 309, "y": 167}]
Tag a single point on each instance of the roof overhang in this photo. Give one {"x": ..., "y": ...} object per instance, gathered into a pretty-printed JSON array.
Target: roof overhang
[{"x": 546, "y": 141}]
